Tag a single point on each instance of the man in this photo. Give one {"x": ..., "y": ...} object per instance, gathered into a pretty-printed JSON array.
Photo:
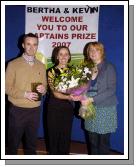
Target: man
[{"x": 24, "y": 115}]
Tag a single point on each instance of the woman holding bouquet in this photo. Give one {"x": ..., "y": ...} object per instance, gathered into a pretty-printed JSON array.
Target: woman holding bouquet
[
  {"x": 60, "y": 108},
  {"x": 102, "y": 94}
]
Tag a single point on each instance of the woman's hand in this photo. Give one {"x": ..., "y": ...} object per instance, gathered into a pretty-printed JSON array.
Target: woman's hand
[
  {"x": 87, "y": 101},
  {"x": 74, "y": 97}
]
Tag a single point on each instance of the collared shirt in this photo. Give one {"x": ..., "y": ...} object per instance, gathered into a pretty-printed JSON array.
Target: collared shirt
[{"x": 29, "y": 59}]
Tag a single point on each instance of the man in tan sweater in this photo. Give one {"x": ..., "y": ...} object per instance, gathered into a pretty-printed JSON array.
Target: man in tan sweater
[{"x": 24, "y": 115}]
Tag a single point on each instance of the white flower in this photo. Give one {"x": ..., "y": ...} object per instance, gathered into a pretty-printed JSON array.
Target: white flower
[
  {"x": 65, "y": 87},
  {"x": 62, "y": 87},
  {"x": 86, "y": 70},
  {"x": 64, "y": 79},
  {"x": 84, "y": 76},
  {"x": 73, "y": 82},
  {"x": 79, "y": 70}
]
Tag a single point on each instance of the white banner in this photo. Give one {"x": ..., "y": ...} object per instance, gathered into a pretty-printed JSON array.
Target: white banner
[{"x": 72, "y": 26}]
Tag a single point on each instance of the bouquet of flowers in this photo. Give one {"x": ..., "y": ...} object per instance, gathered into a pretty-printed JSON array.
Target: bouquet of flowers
[{"x": 75, "y": 80}]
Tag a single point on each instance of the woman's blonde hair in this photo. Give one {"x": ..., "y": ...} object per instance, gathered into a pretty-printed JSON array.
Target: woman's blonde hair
[{"x": 97, "y": 45}]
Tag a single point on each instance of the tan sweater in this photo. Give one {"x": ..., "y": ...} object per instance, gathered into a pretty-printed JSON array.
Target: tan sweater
[{"x": 19, "y": 76}]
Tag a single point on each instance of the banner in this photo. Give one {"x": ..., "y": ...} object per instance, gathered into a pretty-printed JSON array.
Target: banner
[{"x": 72, "y": 26}]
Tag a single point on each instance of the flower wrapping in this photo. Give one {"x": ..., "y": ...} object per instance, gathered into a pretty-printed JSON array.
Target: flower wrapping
[
  {"x": 75, "y": 80},
  {"x": 87, "y": 111}
]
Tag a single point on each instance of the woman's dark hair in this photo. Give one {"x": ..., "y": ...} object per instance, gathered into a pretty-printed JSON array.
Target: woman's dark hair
[{"x": 55, "y": 53}]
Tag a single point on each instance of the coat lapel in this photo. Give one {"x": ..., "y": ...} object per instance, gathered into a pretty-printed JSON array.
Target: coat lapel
[{"x": 101, "y": 68}]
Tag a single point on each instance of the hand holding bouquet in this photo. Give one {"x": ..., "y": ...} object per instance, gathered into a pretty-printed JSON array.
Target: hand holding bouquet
[{"x": 75, "y": 81}]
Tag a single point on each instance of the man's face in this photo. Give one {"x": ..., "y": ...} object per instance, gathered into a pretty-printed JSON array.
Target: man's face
[{"x": 30, "y": 46}]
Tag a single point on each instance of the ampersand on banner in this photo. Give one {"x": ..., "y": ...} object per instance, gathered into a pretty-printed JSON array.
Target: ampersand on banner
[{"x": 66, "y": 10}]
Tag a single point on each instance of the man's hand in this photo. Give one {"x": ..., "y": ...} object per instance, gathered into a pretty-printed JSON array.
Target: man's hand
[
  {"x": 31, "y": 96},
  {"x": 41, "y": 89}
]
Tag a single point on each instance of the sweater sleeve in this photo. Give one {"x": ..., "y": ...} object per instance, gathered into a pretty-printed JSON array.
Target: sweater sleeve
[
  {"x": 44, "y": 79},
  {"x": 10, "y": 79},
  {"x": 111, "y": 86}
]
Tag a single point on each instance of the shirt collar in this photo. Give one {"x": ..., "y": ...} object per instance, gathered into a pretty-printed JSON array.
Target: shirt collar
[{"x": 29, "y": 59}]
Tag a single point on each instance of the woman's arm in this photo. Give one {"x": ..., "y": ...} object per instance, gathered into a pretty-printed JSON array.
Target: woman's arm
[
  {"x": 62, "y": 96},
  {"x": 104, "y": 94},
  {"x": 111, "y": 86}
]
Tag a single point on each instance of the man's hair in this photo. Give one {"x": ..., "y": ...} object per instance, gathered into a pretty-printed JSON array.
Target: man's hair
[{"x": 29, "y": 35}]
